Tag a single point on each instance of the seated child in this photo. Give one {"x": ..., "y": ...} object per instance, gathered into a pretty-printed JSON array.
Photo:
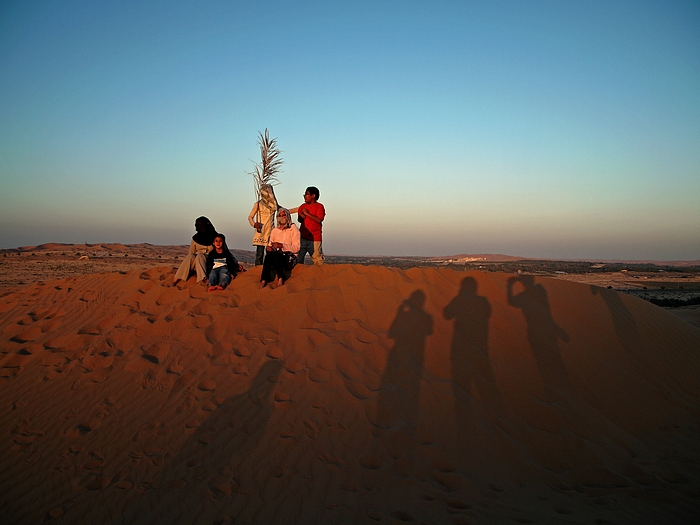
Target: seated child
[
  {"x": 220, "y": 264},
  {"x": 280, "y": 254}
]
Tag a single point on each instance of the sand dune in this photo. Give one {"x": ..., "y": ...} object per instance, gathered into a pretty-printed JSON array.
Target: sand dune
[{"x": 352, "y": 395}]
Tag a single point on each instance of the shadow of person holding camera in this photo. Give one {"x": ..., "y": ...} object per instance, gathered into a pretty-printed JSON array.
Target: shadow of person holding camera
[{"x": 543, "y": 332}]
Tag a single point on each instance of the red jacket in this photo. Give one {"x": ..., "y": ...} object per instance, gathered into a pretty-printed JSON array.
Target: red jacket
[{"x": 311, "y": 229}]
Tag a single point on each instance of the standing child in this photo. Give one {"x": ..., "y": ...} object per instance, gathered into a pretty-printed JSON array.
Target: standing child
[
  {"x": 220, "y": 264},
  {"x": 262, "y": 218},
  {"x": 311, "y": 215}
]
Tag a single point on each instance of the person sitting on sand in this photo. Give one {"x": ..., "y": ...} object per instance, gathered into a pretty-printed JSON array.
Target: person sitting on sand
[
  {"x": 280, "y": 256},
  {"x": 196, "y": 258},
  {"x": 262, "y": 218},
  {"x": 220, "y": 264}
]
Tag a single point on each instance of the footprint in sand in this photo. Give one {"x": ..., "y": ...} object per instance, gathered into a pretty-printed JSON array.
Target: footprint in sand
[
  {"x": 274, "y": 352},
  {"x": 240, "y": 369},
  {"x": 293, "y": 368},
  {"x": 201, "y": 321},
  {"x": 319, "y": 375},
  {"x": 7, "y": 372},
  {"x": 332, "y": 459},
  {"x": 50, "y": 325},
  {"x": 357, "y": 390},
  {"x": 311, "y": 427},
  {"x": 96, "y": 361},
  {"x": 96, "y": 482},
  {"x": 147, "y": 430},
  {"x": 145, "y": 276},
  {"x": 217, "y": 330},
  {"x": 207, "y": 385},
  {"x": 146, "y": 287},
  {"x": 175, "y": 367},
  {"x": 19, "y": 403},
  {"x": 95, "y": 461},
  {"x": 27, "y": 335},
  {"x": 370, "y": 462},
  {"x": 450, "y": 482},
  {"x": 208, "y": 406},
  {"x": 88, "y": 296},
  {"x": 241, "y": 352},
  {"x": 457, "y": 504},
  {"x": 157, "y": 352},
  {"x": 282, "y": 397}
]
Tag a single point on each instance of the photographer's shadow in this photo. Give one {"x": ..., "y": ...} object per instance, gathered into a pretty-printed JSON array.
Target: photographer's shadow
[
  {"x": 543, "y": 332},
  {"x": 399, "y": 397},
  {"x": 469, "y": 355}
]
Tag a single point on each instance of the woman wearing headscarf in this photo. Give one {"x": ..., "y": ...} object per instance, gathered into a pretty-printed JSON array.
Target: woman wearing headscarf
[
  {"x": 281, "y": 251},
  {"x": 262, "y": 218},
  {"x": 196, "y": 258}
]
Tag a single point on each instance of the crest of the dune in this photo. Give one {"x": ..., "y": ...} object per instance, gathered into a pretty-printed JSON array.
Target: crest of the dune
[
  {"x": 51, "y": 246},
  {"x": 352, "y": 394}
]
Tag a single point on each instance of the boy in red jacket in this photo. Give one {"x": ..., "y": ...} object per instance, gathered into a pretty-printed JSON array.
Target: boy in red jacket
[{"x": 311, "y": 215}]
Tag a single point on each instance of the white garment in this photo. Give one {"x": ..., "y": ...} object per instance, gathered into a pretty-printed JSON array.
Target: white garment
[{"x": 289, "y": 237}]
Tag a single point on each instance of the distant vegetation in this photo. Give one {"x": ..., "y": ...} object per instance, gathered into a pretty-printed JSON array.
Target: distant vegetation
[
  {"x": 530, "y": 266},
  {"x": 674, "y": 302}
]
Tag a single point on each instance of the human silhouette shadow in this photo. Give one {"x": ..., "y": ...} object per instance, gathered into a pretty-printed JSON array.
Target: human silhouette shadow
[
  {"x": 626, "y": 327},
  {"x": 399, "y": 397},
  {"x": 469, "y": 356},
  {"x": 205, "y": 466},
  {"x": 543, "y": 333}
]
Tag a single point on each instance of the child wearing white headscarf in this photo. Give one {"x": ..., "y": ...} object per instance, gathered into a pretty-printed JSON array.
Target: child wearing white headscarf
[
  {"x": 281, "y": 251},
  {"x": 262, "y": 218}
]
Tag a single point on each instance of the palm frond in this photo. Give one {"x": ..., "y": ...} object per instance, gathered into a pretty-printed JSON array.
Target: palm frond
[{"x": 265, "y": 172}]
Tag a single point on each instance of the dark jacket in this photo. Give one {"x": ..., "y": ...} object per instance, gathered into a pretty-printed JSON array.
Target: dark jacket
[{"x": 231, "y": 261}]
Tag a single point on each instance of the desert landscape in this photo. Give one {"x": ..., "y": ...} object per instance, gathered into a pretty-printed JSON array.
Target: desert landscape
[{"x": 356, "y": 393}]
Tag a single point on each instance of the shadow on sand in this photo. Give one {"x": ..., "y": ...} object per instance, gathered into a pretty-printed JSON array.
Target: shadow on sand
[
  {"x": 208, "y": 465},
  {"x": 400, "y": 387},
  {"x": 469, "y": 355},
  {"x": 543, "y": 333},
  {"x": 625, "y": 326}
]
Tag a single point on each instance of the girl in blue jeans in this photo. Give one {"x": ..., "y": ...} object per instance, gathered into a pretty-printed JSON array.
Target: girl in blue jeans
[{"x": 221, "y": 264}]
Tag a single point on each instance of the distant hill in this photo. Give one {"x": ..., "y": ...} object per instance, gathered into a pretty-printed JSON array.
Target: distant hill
[
  {"x": 248, "y": 255},
  {"x": 486, "y": 257},
  {"x": 510, "y": 258},
  {"x": 109, "y": 249}
]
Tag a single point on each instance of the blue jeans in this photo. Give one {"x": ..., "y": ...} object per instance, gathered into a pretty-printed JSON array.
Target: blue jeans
[{"x": 219, "y": 276}]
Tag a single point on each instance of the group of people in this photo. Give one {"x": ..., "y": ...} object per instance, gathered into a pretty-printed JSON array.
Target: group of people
[{"x": 280, "y": 245}]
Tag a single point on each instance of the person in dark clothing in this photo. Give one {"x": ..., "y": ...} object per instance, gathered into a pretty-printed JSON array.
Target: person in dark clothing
[
  {"x": 221, "y": 264},
  {"x": 196, "y": 257}
]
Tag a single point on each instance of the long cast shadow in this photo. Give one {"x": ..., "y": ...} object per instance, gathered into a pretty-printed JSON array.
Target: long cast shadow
[
  {"x": 469, "y": 356},
  {"x": 206, "y": 465},
  {"x": 399, "y": 397},
  {"x": 543, "y": 332},
  {"x": 623, "y": 320}
]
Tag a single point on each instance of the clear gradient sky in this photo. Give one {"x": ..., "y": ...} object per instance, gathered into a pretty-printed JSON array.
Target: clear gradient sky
[{"x": 564, "y": 129}]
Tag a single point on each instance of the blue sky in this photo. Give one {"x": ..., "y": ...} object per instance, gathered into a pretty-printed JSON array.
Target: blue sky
[{"x": 542, "y": 129}]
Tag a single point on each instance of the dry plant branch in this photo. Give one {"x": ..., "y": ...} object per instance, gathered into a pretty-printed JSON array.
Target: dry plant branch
[{"x": 265, "y": 172}]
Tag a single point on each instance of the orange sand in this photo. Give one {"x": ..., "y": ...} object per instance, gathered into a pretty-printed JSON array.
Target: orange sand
[{"x": 351, "y": 395}]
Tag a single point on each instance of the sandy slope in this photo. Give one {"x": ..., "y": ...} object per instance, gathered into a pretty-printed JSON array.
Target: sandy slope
[{"x": 352, "y": 395}]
